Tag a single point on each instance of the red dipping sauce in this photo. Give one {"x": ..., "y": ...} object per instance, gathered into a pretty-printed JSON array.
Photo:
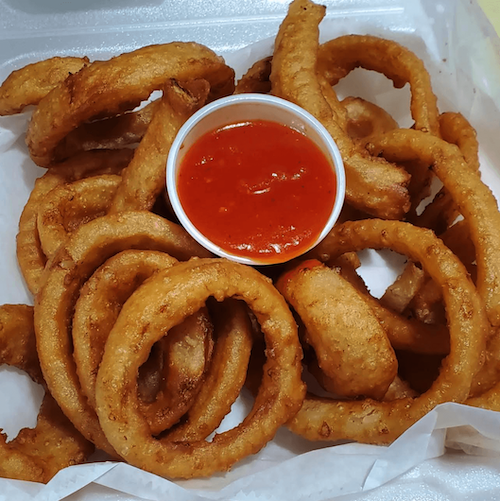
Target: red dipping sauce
[{"x": 257, "y": 189}]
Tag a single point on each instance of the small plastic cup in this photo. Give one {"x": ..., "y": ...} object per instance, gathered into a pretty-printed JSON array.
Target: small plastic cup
[{"x": 241, "y": 108}]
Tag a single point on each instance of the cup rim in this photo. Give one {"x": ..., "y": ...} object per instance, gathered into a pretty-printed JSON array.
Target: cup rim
[{"x": 171, "y": 171}]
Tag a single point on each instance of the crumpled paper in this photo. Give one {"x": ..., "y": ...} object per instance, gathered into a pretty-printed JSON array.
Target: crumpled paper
[
  {"x": 327, "y": 473},
  {"x": 451, "y": 453}
]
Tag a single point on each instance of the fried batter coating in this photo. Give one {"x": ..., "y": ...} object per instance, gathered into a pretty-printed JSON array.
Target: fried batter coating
[
  {"x": 372, "y": 184},
  {"x": 144, "y": 178},
  {"x": 35, "y": 454},
  {"x": 172, "y": 295},
  {"x": 73, "y": 264},
  {"x": 33, "y": 82},
  {"x": 369, "y": 421},
  {"x": 351, "y": 346},
  {"x": 121, "y": 83},
  {"x": 30, "y": 255}
]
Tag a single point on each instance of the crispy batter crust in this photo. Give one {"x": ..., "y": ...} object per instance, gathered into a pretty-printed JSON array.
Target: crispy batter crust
[
  {"x": 29, "y": 251},
  {"x": 107, "y": 88},
  {"x": 35, "y": 454},
  {"x": 87, "y": 249},
  {"x": 473, "y": 198},
  {"x": 170, "y": 296},
  {"x": 372, "y": 184},
  {"x": 144, "y": 178},
  {"x": 382, "y": 422},
  {"x": 183, "y": 358},
  {"x": 351, "y": 346},
  {"x": 70, "y": 205},
  {"x": 338, "y": 57},
  {"x": 33, "y": 82}
]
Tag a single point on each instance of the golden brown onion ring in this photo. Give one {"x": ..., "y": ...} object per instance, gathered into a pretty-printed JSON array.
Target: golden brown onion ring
[
  {"x": 351, "y": 346},
  {"x": 382, "y": 422},
  {"x": 170, "y": 296},
  {"x": 144, "y": 178},
  {"x": 87, "y": 249},
  {"x": 120, "y": 84},
  {"x": 30, "y": 255},
  {"x": 70, "y": 205},
  {"x": 185, "y": 354},
  {"x": 33, "y": 82},
  {"x": 473, "y": 198},
  {"x": 36, "y": 454},
  {"x": 338, "y": 57},
  {"x": 442, "y": 211},
  {"x": 108, "y": 133},
  {"x": 456, "y": 129},
  {"x": 372, "y": 184}
]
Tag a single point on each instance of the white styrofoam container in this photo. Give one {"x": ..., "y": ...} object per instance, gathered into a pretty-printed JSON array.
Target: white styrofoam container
[{"x": 462, "y": 53}]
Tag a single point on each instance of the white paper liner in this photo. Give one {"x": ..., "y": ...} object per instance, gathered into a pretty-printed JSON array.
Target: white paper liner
[
  {"x": 321, "y": 474},
  {"x": 462, "y": 54}
]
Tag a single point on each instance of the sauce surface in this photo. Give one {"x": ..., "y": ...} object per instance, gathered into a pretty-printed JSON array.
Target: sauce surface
[{"x": 257, "y": 189}]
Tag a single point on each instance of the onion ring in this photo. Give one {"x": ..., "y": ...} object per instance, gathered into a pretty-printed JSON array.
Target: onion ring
[
  {"x": 382, "y": 422},
  {"x": 186, "y": 351},
  {"x": 338, "y": 57},
  {"x": 87, "y": 249},
  {"x": 169, "y": 297},
  {"x": 36, "y": 454},
  {"x": 473, "y": 198},
  {"x": 456, "y": 129},
  {"x": 70, "y": 205},
  {"x": 33, "y": 82},
  {"x": 442, "y": 211},
  {"x": 373, "y": 184},
  {"x": 351, "y": 346},
  {"x": 75, "y": 101},
  {"x": 30, "y": 256}
]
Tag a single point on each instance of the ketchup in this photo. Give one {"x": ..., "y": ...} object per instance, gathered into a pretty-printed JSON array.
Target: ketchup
[{"x": 257, "y": 189}]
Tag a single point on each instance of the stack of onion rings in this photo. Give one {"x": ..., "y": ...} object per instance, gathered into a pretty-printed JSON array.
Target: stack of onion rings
[{"x": 146, "y": 355}]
